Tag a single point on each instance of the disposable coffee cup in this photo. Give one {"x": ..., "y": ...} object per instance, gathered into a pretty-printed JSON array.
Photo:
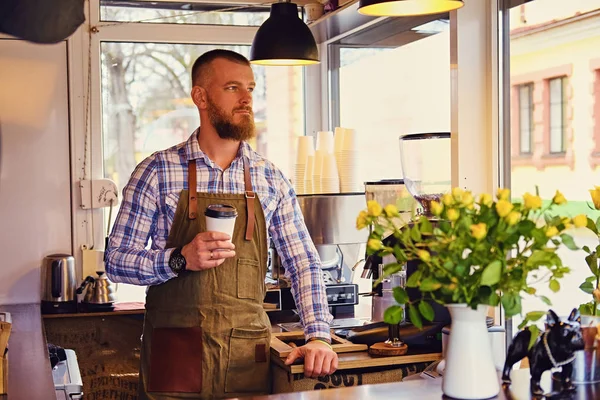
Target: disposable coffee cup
[{"x": 220, "y": 218}]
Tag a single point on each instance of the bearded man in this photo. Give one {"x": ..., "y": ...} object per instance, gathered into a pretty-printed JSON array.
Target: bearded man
[{"x": 206, "y": 334}]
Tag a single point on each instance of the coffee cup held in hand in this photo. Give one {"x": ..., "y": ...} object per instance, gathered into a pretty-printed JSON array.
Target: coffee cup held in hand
[{"x": 220, "y": 218}]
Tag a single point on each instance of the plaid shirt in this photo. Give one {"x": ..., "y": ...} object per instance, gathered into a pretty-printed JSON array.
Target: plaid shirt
[{"x": 148, "y": 208}]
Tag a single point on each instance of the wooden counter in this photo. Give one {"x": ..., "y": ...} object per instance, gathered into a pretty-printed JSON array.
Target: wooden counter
[
  {"x": 29, "y": 370},
  {"x": 425, "y": 389}
]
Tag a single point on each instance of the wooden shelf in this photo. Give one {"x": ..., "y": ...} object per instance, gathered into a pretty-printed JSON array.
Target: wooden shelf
[{"x": 120, "y": 309}]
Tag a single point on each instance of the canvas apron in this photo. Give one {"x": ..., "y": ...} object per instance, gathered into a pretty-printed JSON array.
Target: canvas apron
[{"x": 206, "y": 334}]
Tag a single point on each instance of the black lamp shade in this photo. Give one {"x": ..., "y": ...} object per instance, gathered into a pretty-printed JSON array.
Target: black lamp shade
[
  {"x": 405, "y": 8},
  {"x": 284, "y": 39}
]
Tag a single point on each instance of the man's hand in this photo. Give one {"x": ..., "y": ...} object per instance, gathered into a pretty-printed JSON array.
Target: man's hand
[
  {"x": 207, "y": 250},
  {"x": 319, "y": 359}
]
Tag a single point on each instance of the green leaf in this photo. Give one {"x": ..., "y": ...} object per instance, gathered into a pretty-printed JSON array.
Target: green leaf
[
  {"x": 393, "y": 315},
  {"x": 413, "y": 280},
  {"x": 400, "y": 295},
  {"x": 592, "y": 262},
  {"x": 415, "y": 316},
  {"x": 587, "y": 287},
  {"x": 426, "y": 226},
  {"x": 511, "y": 303},
  {"x": 591, "y": 279},
  {"x": 554, "y": 285},
  {"x": 429, "y": 285},
  {"x": 594, "y": 227},
  {"x": 426, "y": 310},
  {"x": 534, "y": 315},
  {"x": 391, "y": 268},
  {"x": 492, "y": 273},
  {"x": 535, "y": 332},
  {"x": 546, "y": 300},
  {"x": 569, "y": 242},
  {"x": 415, "y": 234},
  {"x": 400, "y": 254},
  {"x": 586, "y": 309},
  {"x": 494, "y": 299},
  {"x": 586, "y": 249}
]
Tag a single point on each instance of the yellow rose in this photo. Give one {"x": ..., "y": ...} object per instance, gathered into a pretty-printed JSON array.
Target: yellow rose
[
  {"x": 504, "y": 207},
  {"x": 513, "y": 217},
  {"x": 374, "y": 208},
  {"x": 532, "y": 202},
  {"x": 551, "y": 231},
  {"x": 424, "y": 255},
  {"x": 374, "y": 244},
  {"x": 361, "y": 220},
  {"x": 467, "y": 199},
  {"x": 580, "y": 221},
  {"x": 436, "y": 208},
  {"x": 503, "y": 194},
  {"x": 486, "y": 199},
  {"x": 391, "y": 210},
  {"x": 447, "y": 199},
  {"x": 559, "y": 198},
  {"x": 457, "y": 193},
  {"x": 453, "y": 214},
  {"x": 567, "y": 222},
  {"x": 478, "y": 231},
  {"x": 596, "y": 197}
]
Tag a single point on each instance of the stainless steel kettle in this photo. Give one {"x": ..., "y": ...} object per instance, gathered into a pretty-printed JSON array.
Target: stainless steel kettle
[
  {"x": 58, "y": 284},
  {"x": 100, "y": 291}
]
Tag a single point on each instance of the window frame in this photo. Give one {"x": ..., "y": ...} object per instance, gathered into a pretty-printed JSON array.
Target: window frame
[{"x": 563, "y": 106}]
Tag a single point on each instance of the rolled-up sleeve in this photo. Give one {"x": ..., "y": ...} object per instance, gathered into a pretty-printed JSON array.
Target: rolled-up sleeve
[
  {"x": 302, "y": 264},
  {"x": 127, "y": 259}
]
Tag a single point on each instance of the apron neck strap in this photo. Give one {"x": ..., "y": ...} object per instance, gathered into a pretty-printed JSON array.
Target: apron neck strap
[
  {"x": 192, "y": 203},
  {"x": 248, "y": 194}
]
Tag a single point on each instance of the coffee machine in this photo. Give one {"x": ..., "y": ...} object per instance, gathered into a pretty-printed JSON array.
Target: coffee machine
[{"x": 331, "y": 223}]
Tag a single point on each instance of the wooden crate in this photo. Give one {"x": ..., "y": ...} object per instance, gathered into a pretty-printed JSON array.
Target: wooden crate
[{"x": 281, "y": 348}]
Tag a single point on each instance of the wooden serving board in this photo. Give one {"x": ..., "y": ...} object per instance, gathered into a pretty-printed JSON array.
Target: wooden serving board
[{"x": 280, "y": 343}]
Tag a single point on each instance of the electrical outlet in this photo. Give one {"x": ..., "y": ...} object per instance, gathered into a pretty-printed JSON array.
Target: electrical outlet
[{"x": 98, "y": 193}]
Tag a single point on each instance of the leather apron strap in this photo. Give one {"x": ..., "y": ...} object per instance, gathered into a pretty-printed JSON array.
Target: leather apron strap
[
  {"x": 193, "y": 204},
  {"x": 248, "y": 194}
]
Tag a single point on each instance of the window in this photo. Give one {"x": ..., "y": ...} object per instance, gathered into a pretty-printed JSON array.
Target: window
[
  {"x": 396, "y": 82},
  {"x": 144, "y": 95},
  {"x": 595, "y": 155},
  {"x": 552, "y": 44},
  {"x": 525, "y": 118},
  {"x": 557, "y": 115}
]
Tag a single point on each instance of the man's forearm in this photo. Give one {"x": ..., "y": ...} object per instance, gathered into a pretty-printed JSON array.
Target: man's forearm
[{"x": 138, "y": 267}]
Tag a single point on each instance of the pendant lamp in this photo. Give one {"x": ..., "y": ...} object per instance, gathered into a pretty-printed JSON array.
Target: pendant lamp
[
  {"x": 284, "y": 39},
  {"x": 405, "y": 8}
]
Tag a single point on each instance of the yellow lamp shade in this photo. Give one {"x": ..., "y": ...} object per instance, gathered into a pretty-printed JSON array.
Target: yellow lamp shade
[{"x": 405, "y": 8}]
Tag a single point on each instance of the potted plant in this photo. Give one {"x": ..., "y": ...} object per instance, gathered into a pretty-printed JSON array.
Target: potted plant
[
  {"x": 478, "y": 253},
  {"x": 585, "y": 370}
]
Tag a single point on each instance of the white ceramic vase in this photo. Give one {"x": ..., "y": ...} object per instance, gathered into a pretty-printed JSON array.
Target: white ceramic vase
[{"x": 469, "y": 372}]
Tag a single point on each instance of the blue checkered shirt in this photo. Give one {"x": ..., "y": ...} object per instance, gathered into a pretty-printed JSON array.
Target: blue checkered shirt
[{"x": 148, "y": 208}]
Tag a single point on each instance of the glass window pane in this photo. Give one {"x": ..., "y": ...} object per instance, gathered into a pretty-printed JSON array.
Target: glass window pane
[
  {"x": 389, "y": 91},
  {"x": 539, "y": 21},
  {"x": 146, "y": 104},
  {"x": 184, "y": 13},
  {"x": 525, "y": 123}
]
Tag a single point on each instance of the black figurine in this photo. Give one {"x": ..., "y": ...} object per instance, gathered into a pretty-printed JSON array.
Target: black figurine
[{"x": 554, "y": 348}]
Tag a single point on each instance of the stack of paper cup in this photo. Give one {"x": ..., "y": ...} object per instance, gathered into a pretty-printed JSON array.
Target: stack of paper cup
[
  {"x": 338, "y": 140},
  {"x": 325, "y": 141},
  {"x": 349, "y": 179},
  {"x": 317, "y": 169},
  {"x": 330, "y": 182},
  {"x": 305, "y": 149},
  {"x": 308, "y": 175}
]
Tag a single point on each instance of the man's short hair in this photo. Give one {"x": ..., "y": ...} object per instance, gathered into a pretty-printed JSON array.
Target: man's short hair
[{"x": 201, "y": 67}]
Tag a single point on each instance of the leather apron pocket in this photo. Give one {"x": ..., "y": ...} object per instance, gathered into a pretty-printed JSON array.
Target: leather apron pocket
[
  {"x": 247, "y": 278},
  {"x": 248, "y": 364},
  {"x": 175, "y": 355}
]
